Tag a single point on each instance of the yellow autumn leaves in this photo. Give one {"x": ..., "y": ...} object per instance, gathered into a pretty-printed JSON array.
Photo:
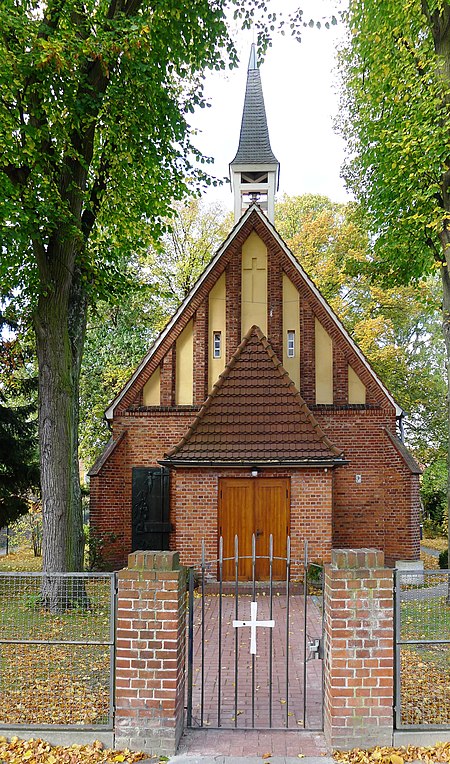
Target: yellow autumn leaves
[
  {"x": 386, "y": 755},
  {"x": 17, "y": 751}
]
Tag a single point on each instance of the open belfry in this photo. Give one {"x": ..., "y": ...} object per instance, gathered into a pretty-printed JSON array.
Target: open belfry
[{"x": 254, "y": 412}]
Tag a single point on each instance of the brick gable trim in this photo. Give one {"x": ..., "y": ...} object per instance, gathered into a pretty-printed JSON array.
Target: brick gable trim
[
  {"x": 268, "y": 233},
  {"x": 107, "y": 452},
  {"x": 109, "y": 412},
  {"x": 403, "y": 452}
]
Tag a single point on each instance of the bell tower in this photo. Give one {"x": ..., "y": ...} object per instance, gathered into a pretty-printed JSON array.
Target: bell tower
[{"x": 255, "y": 169}]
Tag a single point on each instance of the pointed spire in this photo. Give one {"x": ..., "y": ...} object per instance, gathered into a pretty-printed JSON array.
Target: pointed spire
[
  {"x": 255, "y": 168},
  {"x": 253, "y": 62},
  {"x": 254, "y": 142}
]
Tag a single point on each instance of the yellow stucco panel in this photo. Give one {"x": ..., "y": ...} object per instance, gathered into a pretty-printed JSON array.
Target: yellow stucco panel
[
  {"x": 152, "y": 389},
  {"x": 291, "y": 323},
  {"x": 254, "y": 284},
  {"x": 356, "y": 388},
  {"x": 217, "y": 322},
  {"x": 324, "y": 365},
  {"x": 184, "y": 380}
]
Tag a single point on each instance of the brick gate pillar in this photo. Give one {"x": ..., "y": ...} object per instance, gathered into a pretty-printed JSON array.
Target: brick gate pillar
[
  {"x": 359, "y": 649},
  {"x": 150, "y": 653}
]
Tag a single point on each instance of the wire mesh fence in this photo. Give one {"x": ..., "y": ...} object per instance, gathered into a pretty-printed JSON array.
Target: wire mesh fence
[
  {"x": 56, "y": 649},
  {"x": 422, "y": 649}
]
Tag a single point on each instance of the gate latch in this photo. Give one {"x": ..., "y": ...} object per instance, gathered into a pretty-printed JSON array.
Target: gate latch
[{"x": 315, "y": 649}]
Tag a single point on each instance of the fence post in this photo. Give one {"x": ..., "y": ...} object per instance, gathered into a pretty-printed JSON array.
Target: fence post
[
  {"x": 150, "y": 657},
  {"x": 359, "y": 649}
]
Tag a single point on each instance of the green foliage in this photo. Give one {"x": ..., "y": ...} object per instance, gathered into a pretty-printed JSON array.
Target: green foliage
[
  {"x": 19, "y": 473},
  {"x": 123, "y": 81},
  {"x": 398, "y": 328},
  {"x": 93, "y": 547},
  {"x": 394, "y": 117},
  {"x": 176, "y": 261},
  {"x": 443, "y": 560},
  {"x": 434, "y": 496},
  {"x": 119, "y": 333}
]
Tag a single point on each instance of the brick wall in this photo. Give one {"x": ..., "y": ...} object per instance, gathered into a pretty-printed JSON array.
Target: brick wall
[
  {"x": 150, "y": 653},
  {"x": 194, "y": 497},
  {"x": 148, "y": 437},
  {"x": 380, "y": 511},
  {"x": 359, "y": 650}
]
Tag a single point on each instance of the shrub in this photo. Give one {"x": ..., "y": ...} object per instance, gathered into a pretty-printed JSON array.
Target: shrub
[{"x": 443, "y": 560}]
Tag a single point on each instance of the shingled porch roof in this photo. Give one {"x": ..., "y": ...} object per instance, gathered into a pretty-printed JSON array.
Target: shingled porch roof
[{"x": 254, "y": 416}]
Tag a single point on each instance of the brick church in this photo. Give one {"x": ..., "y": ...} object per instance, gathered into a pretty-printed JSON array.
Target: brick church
[{"x": 254, "y": 412}]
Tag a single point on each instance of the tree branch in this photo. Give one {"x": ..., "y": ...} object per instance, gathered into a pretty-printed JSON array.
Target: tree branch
[
  {"x": 89, "y": 215},
  {"x": 131, "y": 7},
  {"x": 17, "y": 175}
]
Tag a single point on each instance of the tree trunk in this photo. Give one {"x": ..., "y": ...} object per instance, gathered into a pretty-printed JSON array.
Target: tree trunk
[
  {"x": 60, "y": 320},
  {"x": 77, "y": 330},
  {"x": 446, "y": 331}
]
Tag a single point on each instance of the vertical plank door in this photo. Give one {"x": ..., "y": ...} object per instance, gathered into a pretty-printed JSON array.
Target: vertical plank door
[
  {"x": 236, "y": 519},
  {"x": 271, "y": 516},
  {"x": 259, "y": 506}
]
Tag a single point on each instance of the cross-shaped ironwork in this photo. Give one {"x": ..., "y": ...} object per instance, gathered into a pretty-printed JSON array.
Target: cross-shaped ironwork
[{"x": 253, "y": 623}]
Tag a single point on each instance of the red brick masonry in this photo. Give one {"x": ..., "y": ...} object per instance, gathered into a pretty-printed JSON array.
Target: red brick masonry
[
  {"x": 150, "y": 658},
  {"x": 359, "y": 649}
]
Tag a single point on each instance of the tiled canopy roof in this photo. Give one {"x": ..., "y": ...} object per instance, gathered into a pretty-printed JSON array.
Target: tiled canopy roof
[
  {"x": 254, "y": 141},
  {"x": 254, "y": 415}
]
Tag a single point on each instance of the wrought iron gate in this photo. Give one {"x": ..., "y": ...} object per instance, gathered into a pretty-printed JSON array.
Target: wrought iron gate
[{"x": 255, "y": 647}]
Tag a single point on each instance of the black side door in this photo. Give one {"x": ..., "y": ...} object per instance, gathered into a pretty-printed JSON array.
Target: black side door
[{"x": 150, "y": 509}]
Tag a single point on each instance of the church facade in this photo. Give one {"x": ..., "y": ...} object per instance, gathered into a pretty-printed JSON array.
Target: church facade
[{"x": 254, "y": 413}]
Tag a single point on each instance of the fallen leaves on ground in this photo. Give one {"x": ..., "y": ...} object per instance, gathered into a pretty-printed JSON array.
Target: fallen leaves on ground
[
  {"x": 440, "y": 543},
  {"x": 40, "y": 685},
  {"x": 386, "y": 755},
  {"x": 17, "y": 751},
  {"x": 425, "y": 687},
  {"x": 19, "y": 561},
  {"x": 429, "y": 562}
]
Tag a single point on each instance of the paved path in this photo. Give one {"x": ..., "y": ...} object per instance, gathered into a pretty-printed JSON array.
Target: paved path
[
  {"x": 430, "y": 551},
  {"x": 182, "y": 759},
  {"x": 250, "y": 743},
  {"x": 427, "y": 593}
]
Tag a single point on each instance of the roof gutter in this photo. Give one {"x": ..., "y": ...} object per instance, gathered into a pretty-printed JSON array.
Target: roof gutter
[{"x": 254, "y": 463}]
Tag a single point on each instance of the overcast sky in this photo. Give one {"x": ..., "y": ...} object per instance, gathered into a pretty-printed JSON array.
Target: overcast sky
[{"x": 300, "y": 93}]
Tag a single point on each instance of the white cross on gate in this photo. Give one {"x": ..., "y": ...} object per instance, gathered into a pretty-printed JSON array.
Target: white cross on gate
[{"x": 253, "y": 623}]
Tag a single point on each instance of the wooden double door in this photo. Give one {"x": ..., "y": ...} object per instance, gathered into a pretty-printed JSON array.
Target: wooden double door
[{"x": 259, "y": 506}]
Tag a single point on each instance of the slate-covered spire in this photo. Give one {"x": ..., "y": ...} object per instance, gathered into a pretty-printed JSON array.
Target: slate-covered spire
[{"x": 255, "y": 168}]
